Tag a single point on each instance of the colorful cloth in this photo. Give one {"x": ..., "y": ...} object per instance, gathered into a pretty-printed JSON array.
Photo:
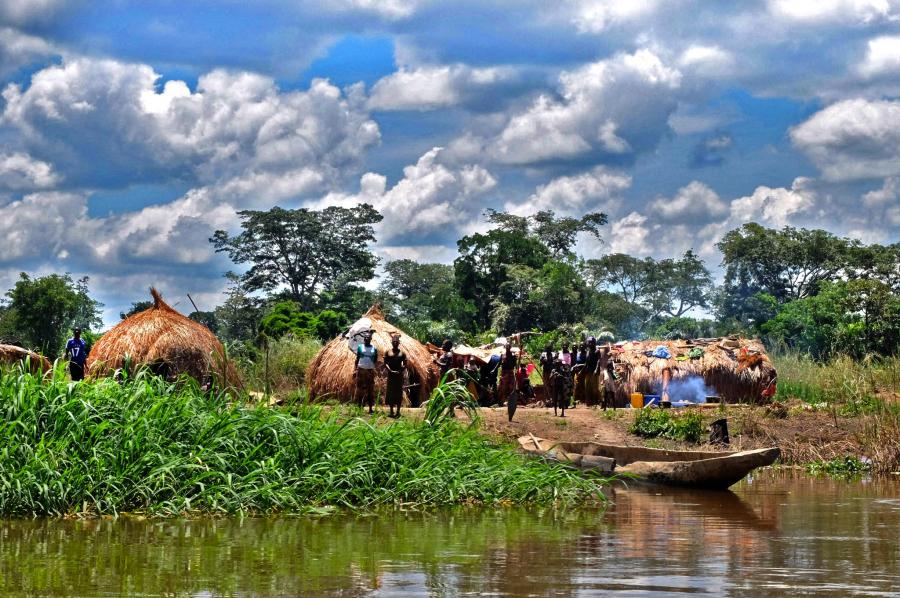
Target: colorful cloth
[
  {"x": 695, "y": 353},
  {"x": 661, "y": 352}
]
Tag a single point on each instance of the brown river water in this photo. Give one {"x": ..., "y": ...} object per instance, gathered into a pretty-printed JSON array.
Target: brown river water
[{"x": 779, "y": 533}]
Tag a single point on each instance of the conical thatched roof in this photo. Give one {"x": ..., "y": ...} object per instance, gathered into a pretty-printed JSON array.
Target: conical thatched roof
[
  {"x": 330, "y": 373},
  {"x": 11, "y": 354},
  {"x": 737, "y": 368},
  {"x": 167, "y": 342}
]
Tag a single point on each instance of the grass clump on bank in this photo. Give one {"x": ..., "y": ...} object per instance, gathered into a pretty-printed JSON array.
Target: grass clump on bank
[
  {"x": 847, "y": 467},
  {"x": 651, "y": 423},
  {"x": 144, "y": 445}
]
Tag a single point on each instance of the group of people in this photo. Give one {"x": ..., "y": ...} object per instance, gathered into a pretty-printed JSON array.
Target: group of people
[
  {"x": 394, "y": 366},
  {"x": 583, "y": 374}
]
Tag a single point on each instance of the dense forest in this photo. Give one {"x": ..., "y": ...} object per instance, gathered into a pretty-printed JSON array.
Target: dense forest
[{"x": 304, "y": 273}]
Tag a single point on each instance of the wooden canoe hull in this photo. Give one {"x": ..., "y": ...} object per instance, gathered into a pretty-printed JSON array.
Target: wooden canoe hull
[{"x": 693, "y": 469}]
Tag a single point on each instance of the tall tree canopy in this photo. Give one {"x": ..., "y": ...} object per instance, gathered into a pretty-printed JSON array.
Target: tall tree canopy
[
  {"x": 558, "y": 235},
  {"x": 787, "y": 264},
  {"x": 303, "y": 252},
  {"x": 424, "y": 291},
  {"x": 669, "y": 287}
]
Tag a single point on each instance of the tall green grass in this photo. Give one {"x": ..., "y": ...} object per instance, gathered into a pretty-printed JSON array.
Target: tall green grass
[
  {"x": 840, "y": 380},
  {"x": 854, "y": 389},
  {"x": 144, "y": 445}
]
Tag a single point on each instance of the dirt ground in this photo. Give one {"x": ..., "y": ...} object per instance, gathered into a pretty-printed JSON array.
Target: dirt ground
[{"x": 802, "y": 434}]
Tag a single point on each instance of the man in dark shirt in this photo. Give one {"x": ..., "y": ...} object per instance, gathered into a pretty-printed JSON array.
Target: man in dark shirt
[{"x": 76, "y": 353}]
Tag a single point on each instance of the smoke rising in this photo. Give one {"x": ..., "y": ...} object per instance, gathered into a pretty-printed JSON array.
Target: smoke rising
[{"x": 692, "y": 389}]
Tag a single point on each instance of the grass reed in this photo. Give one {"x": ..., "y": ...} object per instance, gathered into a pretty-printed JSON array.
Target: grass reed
[{"x": 145, "y": 445}]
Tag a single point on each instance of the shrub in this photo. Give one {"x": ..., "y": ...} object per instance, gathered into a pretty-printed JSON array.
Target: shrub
[{"x": 684, "y": 425}]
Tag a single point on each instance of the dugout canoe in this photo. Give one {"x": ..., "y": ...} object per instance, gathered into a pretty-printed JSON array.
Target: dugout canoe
[{"x": 691, "y": 469}]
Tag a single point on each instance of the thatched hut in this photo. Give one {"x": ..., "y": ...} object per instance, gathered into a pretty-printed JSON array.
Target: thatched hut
[
  {"x": 330, "y": 373},
  {"x": 11, "y": 355},
  {"x": 736, "y": 369},
  {"x": 165, "y": 341}
]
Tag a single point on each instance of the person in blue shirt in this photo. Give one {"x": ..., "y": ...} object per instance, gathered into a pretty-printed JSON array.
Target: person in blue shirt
[{"x": 76, "y": 353}]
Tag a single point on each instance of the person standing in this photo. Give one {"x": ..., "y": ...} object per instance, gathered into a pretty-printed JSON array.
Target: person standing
[
  {"x": 507, "y": 374},
  {"x": 395, "y": 363},
  {"x": 548, "y": 359},
  {"x": 488, "y": 380},
  {"x": 76, "y": 353},
  {"x": 366, "y": 358},
  {"x": 558, "y": 387},
  {"x": 446, "y": 359},
  {"x": 580, "y": 373},
  {"x": 591, "y": 374}
]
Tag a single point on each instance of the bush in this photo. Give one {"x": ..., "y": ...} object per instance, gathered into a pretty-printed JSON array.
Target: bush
[{"x": 684, "y": 425}]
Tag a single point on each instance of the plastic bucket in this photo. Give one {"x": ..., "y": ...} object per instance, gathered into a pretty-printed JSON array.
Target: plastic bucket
[
  {"x": 637, "y": 400},
  {"x": 651, "y": 400}
]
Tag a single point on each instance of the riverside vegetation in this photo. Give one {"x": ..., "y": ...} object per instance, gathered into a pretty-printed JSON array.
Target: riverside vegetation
[{"x": 147, "y": 446}]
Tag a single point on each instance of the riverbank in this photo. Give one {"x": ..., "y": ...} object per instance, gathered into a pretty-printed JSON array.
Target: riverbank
[
  {"x": 805, "y": 434},
  {"x": 146, "y": 446}
]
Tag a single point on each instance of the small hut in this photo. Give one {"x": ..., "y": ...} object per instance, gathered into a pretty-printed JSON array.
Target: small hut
[
  {"x": 330, "y": 373},
  {"x": 165, "y": 341},
  {"x": 11, "y": 355},
  {"x": 732, "y": 368}
]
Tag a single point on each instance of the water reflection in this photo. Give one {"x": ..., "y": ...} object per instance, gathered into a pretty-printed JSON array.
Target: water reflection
[{"x": 779, "y": 533}]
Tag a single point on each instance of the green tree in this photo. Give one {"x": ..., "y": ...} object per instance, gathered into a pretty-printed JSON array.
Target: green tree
[
  {"x": 304, "y": 252},
  {"x": 854, "y": 317},
  {"x": 482, "y": 267},
  {"x": 47, "y": 308},
  {"x": 239, "y": 316},
  {"x": 787, "y": 264},
  {"x": 136, "y": 308},
  {"x": 287, "y": 317},
  {"x": 669, "y": 287},
  {"x": 558, "y": 235},
  {"x": 418, "y": 291},
  {"x": 207, "y": 318}
]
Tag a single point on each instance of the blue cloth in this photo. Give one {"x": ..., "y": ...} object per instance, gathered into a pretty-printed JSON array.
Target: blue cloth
[
  {"x": 77, "y": 349},
  {"x": 661, "y": 352}
]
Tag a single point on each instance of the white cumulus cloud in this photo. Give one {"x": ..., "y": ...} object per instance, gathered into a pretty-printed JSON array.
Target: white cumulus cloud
[
  {"x": 431, "y": 87},
  {"x": 616, "y": 105},
  {"x": 575, "y": 195},
  {"x": 852, "y": 139},
  {"x": 431, "y": 198}
]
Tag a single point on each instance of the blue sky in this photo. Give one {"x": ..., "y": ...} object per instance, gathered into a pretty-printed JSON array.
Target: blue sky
[{"x": 129, "y": 131}]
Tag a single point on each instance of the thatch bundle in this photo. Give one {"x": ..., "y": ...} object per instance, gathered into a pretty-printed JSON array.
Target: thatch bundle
[
  {"x": 738, "y": 369},
  {"x": 11, "y": 354},
  {"x": 165, "y": 341},
  {"x": 330, "y": 373}
]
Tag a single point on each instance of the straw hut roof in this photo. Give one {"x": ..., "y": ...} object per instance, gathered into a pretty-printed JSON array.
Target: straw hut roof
[
  {"x": 330, "y": 373},
  {"x": 737, "y": 368},
  {"x": 11, "y": 354},
  {"x": 169, "y": 343}
]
